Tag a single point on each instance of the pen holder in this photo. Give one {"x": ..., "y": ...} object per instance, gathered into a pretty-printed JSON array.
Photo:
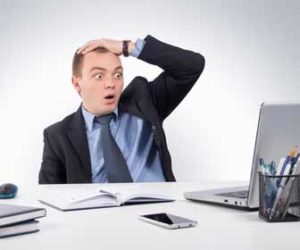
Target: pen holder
[{"x": 279, "y": 198}]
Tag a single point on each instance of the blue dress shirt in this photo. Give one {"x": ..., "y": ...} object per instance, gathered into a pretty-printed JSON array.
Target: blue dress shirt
[{"x": 135, "y": 139}]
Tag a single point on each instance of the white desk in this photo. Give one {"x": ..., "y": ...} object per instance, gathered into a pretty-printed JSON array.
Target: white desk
[{"x": 120, "y": 228}]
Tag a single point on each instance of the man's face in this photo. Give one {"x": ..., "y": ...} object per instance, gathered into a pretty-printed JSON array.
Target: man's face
[{"x": 101, "y": 82}]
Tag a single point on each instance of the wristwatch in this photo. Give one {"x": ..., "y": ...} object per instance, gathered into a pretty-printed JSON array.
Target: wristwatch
[{"x": 125, "y": 47}]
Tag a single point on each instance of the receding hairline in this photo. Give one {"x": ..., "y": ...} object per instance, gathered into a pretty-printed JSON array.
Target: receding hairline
[{"x": 79, "y": 58}]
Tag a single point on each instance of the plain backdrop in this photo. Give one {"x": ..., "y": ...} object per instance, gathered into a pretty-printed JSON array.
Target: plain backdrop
[{"x": 252, "y": 55}]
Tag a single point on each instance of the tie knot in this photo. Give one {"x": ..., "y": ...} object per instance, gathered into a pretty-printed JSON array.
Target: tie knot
[{"x": 104, "y": 119}]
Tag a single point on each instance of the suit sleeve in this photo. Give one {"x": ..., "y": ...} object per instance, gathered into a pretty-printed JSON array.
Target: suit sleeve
[
  {"x": 52, "y": 169},
  {"x": 182, "y": 69}
]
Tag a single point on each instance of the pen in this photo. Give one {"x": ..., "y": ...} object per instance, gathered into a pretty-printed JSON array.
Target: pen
[
  {"x": 287, "y": 160},
  {"x": 267, "y": 169},
  {"x": 279, "y": 191},
  {"x": 272, "y": 168},
  {"x": 293, "y": 163},
  {"x": 262, "y": 165},
  {"x": 271, "y": 189}
]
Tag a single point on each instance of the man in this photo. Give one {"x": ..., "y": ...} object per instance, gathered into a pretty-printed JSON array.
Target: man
[{"x": 114, "y": 136}]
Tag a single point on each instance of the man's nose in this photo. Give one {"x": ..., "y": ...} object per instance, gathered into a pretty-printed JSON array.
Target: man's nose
[{"x": 110, "y": 83}]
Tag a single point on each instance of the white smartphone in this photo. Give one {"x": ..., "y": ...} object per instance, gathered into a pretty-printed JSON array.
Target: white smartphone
[{"x": 168, "y": 220}]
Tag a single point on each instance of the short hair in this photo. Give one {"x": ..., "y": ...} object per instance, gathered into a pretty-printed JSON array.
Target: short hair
[{"x": 78, "y": 61}]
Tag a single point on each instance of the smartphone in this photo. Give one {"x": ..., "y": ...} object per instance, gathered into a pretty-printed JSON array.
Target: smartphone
[{"x": 168, "y": 220}]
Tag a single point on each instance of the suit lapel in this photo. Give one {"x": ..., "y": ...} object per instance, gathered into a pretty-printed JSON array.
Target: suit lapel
[
  {"x": 78, "y": 138},
  {"x": 133, "y": 101},
  {"x": 143, "y": 110}
]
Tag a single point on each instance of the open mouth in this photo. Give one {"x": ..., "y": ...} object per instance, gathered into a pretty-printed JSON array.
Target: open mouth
[{"x": 109, "y": 97}]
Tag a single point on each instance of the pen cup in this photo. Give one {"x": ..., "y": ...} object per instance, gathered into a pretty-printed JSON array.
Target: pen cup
[{"x": 279, "y": 198}]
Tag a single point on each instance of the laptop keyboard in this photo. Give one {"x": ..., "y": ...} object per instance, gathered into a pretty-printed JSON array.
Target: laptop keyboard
[{"x": 237, "y": 194}]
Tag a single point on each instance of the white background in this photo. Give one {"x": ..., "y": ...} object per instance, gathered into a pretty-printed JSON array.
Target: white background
[{"x": 252, "y": 55}]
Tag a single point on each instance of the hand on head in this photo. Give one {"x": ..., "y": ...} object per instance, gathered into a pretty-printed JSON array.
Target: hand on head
[{"x": 113, "y": 46}]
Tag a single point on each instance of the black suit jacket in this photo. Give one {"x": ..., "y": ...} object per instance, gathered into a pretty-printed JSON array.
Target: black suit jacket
[{"x": 66, "y": 157}]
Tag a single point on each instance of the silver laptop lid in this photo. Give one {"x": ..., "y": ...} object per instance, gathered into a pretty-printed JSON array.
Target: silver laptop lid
[{"x": 277, "y": 133}]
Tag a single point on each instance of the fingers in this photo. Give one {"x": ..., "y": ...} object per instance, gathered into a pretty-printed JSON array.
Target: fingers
[
  {"x": 86, "y": 48},
  {"x": 89, "y": 46}
]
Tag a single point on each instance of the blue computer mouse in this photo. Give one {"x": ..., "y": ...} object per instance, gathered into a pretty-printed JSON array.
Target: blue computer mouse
[{"x": 8, "y": 191}]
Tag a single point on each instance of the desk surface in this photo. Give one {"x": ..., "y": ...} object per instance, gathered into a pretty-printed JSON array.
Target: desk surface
[{"x": 114, "y": 228}]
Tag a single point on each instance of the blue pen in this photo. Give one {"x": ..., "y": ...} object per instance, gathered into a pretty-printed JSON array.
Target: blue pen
[{"x": 293, "y": 163}]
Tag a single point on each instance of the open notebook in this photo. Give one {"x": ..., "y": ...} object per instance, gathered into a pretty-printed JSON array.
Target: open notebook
[{"x": 79, "y": 198}]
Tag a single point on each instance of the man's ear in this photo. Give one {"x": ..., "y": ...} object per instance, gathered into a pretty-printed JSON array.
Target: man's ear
[{"x": 75, "y": 83}]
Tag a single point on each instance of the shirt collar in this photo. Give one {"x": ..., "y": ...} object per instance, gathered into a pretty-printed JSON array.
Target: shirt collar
[{"x": 89, "y": 117}]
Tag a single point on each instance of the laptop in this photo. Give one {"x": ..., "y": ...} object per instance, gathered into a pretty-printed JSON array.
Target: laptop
[{"x": 278, "y": 132}]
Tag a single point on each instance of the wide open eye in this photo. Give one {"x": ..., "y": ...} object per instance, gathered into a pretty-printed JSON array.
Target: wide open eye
[
  {"x": 118, "y": 75},
  {"x": 98, "y": 76}
]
